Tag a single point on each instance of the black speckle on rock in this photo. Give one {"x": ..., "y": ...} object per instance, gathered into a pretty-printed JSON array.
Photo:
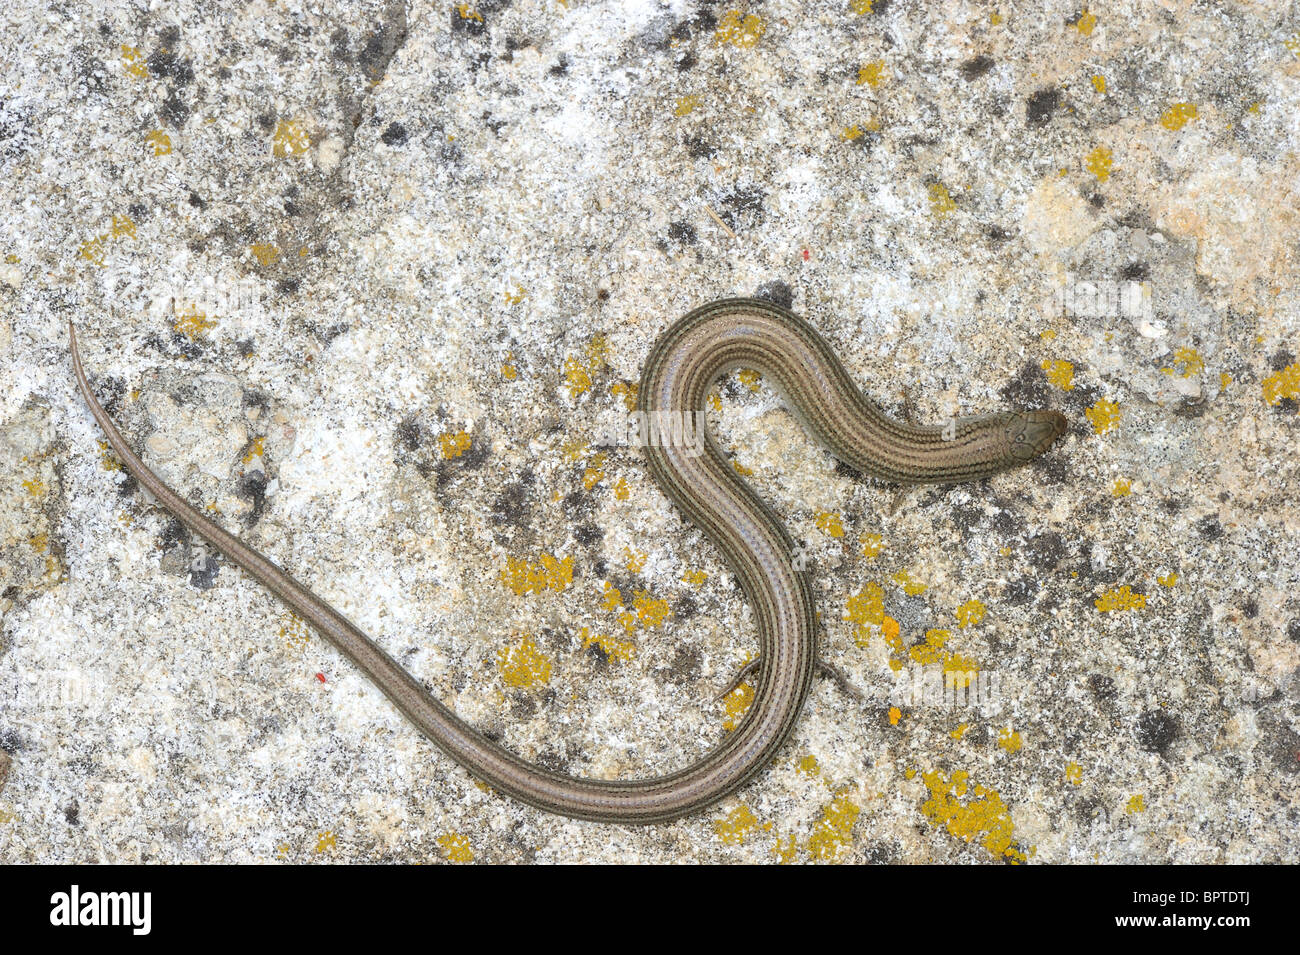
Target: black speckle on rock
[
  {"x": 408, "y": 433},
  {"x": 394, "y": 135},
  {"x": 976, "y": 67},
  {"x": 687, "y": 62},
  {"x": 1103, "y": 687},
  {"x": 266, "y": 121},
  {"x": 742, "y": 202},
  {"x": 1020, "y": 591},
  {"x": 1136, "y": 272},
  {"x": 252, "y": 487},
  {"x": 682, "y": 233},
  {"x": 287, "y": 286},
  {"x": 597, "y": 652},
  {"x": 72, "y": 813},
  {"x": 1041, "y": 105},
  {"x": 174, "y": 111},
  {"x": 511, "y": 506},
  {"x": 204, "y": 568},
  {"x": 1028, "y": 389},
  {"x": 997, "y": 233},
  {"x": 560, "y": 67},
  {"x": 588, "y": 535},
  {"x": 339, "y": 46},
  {"x": 776, "y": 292},
  {"x": 1209, "y": 528},
  {"x": 1293, "y": 630},
  {"x": 698, "y": 148},
  {"x": 1156, "y": 731},
  {"x": 602, "y": 295},
  {"x": 1250, "y": 608},
  {"x": 196, "y": 201},
  {"x": 1280, "y": 359},
  {"x": 467, "y": 22}
]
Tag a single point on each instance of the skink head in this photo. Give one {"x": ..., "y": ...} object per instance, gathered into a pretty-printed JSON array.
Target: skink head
[{"x": 1031, "y": 433}]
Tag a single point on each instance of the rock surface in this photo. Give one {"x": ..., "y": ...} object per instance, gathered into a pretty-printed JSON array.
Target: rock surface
[{"x": 365, "y": 281}]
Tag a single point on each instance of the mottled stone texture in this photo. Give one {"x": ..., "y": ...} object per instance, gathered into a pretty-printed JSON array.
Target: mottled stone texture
[{"x": 366, "y": 279}]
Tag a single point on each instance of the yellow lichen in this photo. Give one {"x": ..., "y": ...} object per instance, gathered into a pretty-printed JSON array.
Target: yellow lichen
[
  {"x": 160, "y": 141},
  {"x": 833, "y": 833},
  {"x": 620, "y": 651},
  {"x": 1190, "y": 362},
  {"x": 686, "y": 105},
  {"x": 1099, "y": 163},
  {"x": 911, "y": 585},
  {"x": 872, "y": 545},
  {"x": 455, "y": 847},
  {"x": 1168, "y": 580},
  {"x": 740, "y": 32},
  {"x": 1177, "y": 116},
  {"x": 1123, "y": 487},
  {"x": 1073, "y": 773},
  {"x": 1085, "y": 23},
  {"x": 523, "y": 665},
  {"x": 532, "y": 577},
  {"x": 736, "y": 826},
  {"x": 970, "y": 613},
  {"x": 1119, "y": 600},
  {"x": 695, "y": 578},
  {"x": 735, "y": 704},
  {"x": 829, "y": 524},
  {"x": 1104, "y": 415},
  {"x": 983, "y": 816},
  {"x": 289, "y": 139},
  {"x": 1060, "y": 373},
  {"x": 872, "y": 73},
  {"x": 1010, "y": 740},
  {"x": 941, "y": 203},
  {"x": 1282, "y": 384},
  {"x": 1099, "y": 83},
  {"x": 1136, "y": 803},
  {"x": 453, "y": 445}
]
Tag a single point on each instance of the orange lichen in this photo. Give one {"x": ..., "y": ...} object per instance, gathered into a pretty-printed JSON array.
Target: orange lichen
[
  {"x": 736, "y": 826},
  {"x": 1104, "y": 415},
  {"x": 1099, "y": 163},
  {"x": 970, "y": 613},
  {"x": 1060, "y": 373},
  {"x": 829, "y": 524},
  {"x": 455, "y": 847},
  {"x": 1178, "y": 115},
  {"x": 1282, "y": 384}
]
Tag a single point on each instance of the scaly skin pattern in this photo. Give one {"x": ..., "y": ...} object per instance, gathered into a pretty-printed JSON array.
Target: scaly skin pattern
[{"x": 685, "y": 362}]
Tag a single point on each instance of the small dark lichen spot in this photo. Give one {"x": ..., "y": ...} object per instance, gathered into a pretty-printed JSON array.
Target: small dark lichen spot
[
  {"x": 685, "y": 608},
  {"x": 1209, "y": 528},
  {"x": 245, "y": 349},
  {"x": 10, "y": 593},
  {"x": 1046, "y": 551},
  {"x": 1103, "y": 687},
  {"x": 511, "y": 506},
  {"x": 1020, "y": 591},
  {"x": 72, "y": 813},
  {"x": 597, "y": 652},
  {"x": 408, "y": 433},
  {"x": 339, "y": 45},
  {"x": 1136, "y": 272},
  {"x": 698, "y": 148},
  {"x": 997, "y": 233},
  {"x": 471, "y": 24},
  {"x": 776, "y": 292},
  {"x": 588, "y": 535},
  {"x": 686, "y": 62},
  {"x": 394, "y": 135},
  {"x": 1171, "y": 505},
  {"x": 560, "y": 66},
  {"x": 174, "y": 111},
  {"x": 743, "y": 201},
  {"x": 976, "y": 67},
  {"x": 266, "y": 121},
  {"x": 602, "y": 295},
  {"x": 1250, "y": 608},
  {"x": 252, "y": 488},
  {"x": 1041, "y": 105},
  {"x": 1028, "y": 389},
  {"x": 1096, "y": 200},
  {"x": 1293, "y": 630},
  {"x": 128, "y": 486},
  {"x": 196, "y": 201},
  {"x": 1280, "y": 359},
  {"x": 287, "y": 286},
  {"x": 682, "y": 233},
  {"x": 1156, "y": 731},
  {"x": 138, "y": 211}
]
